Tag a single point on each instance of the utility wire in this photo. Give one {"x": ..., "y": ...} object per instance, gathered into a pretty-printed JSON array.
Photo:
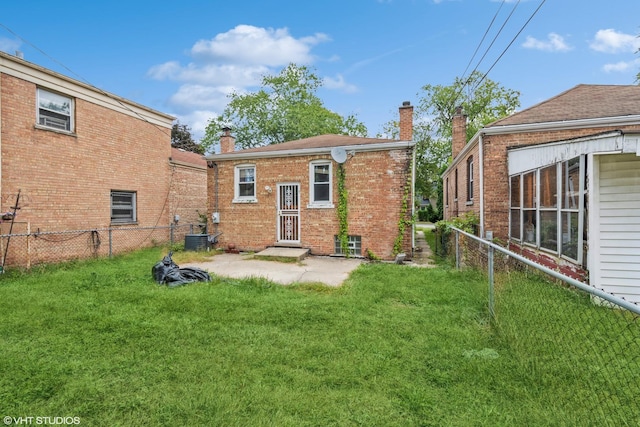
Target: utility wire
[
  {"x": 82, "y": 79},
  {"x": 483, "y": 37},
  {"x": 468, "y": 81},
  {"x": 509, "y": 45}
]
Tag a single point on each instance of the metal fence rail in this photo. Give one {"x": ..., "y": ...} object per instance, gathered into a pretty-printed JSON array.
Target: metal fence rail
[
  {"x": 586, "y": 339},
  {"x": 24, "y": 248}
]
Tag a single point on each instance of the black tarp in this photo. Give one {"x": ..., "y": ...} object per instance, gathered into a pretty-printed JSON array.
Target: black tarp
[{"x": 167, "y": 272}]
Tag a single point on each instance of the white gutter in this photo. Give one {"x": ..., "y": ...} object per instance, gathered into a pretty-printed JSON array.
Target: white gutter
[{"x": 361, "y": 148}]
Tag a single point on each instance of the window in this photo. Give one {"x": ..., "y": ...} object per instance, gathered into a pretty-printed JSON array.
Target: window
[
  {"x": 455, "y": 188},
  {"x": 245, "y": 183},
  {"x": 55, "y": 111},
  {"x": 516, "y": 220},
  {"x": 470, "y": 179},
  {"x": 123, "y": 206},
  {"x": 355, "y": 245},
  {"x": 320, "y": 188},
  {"x": 446, "y": 190},
  {"x": 545, "y": 208}
]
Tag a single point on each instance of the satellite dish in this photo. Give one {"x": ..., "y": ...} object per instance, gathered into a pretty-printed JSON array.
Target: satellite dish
[{"x": 339, "y": 154}]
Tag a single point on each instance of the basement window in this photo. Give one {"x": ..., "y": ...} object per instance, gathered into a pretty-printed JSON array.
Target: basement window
[
  {"x": 123, "y": 207},
  {"x": 55, "y": 111},
  {"x": 355, "y": 245}
]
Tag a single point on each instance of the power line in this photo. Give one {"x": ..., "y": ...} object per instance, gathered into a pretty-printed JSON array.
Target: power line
[
  {"x": 82, "y": 79},
  {"x": 482, "y": 40},
  {"x": 509, "y": 45},
  {"x": 484, "y": 75}
]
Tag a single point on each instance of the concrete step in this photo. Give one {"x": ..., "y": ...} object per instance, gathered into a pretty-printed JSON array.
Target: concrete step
[{"x": 295, "y": 254}]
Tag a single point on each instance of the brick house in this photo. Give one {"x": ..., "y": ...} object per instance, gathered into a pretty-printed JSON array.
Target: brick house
[
  {"x": 560, "y": 182},
  {"x": 287, "y": 194},
  {"x": 81, "y": 158}
]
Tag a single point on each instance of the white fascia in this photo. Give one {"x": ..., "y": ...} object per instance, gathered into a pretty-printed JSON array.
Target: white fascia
[{"x": 311, "y": 151}]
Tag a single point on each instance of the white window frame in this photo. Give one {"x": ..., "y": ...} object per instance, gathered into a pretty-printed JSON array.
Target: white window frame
[
  {"x": 50, "y": 117},
  {"x": 119, "y": 219},
  {"x": 237, "y": 198},
  {"x": 313, "y": 203},
  {"x": 558, "y": 210}
]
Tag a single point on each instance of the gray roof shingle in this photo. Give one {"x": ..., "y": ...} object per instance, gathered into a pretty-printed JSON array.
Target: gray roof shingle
[{"x": 580, "y": 102}]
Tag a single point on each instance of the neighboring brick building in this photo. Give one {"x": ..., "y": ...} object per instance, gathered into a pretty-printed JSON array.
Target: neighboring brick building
[
  {"x": 560, "y": 182},
  {"x": 287, "y": 194},
  {"x": 188, "y": 180},
  {"x": 80, "y": 157}
]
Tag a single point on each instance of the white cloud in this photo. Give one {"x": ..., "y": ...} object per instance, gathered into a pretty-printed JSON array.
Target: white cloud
[
  {"x": 621, "y": 66},
  {"x": 612, "y": 41},
  {"x": 197, "y": 121},
  {"x": 226, "y": 74},
  {"x": 246, "y": 44},
  {"x": 235, "y": 60},
  {"x": 340, "y": 84},
  {"x": 554, "y": 43},
  {"x": 201, "y": 97}
]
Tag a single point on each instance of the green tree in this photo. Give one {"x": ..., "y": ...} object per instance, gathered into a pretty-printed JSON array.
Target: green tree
[
  {"x": 482, "y": 100},
  {"x": 181, "y": 138},
  {"x": 285, "y": 108}
]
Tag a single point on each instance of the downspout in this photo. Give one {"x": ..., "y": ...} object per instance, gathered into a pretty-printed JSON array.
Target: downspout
[{"x": 481, "y": 184}]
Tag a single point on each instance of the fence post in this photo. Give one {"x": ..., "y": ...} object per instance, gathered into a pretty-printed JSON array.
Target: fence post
[
  {"x": 489, "y": 236},
  {"x": 457, "y": 250},
  {"x": 110, "y": 243}
]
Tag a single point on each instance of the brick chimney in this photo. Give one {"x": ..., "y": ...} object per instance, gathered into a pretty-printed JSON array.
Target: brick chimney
[
  {"x": 458, "y": 132},
  {"x": 406, "y": 121},
  {"x": 227, "y": 142}
]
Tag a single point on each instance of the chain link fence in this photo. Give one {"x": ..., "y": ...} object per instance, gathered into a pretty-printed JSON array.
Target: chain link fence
[
  {"x": 574, "y": 340},
  {"x": 25, "y": 248}
]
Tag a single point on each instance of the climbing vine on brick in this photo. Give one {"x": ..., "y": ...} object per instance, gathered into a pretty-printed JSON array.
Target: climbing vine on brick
[
  {"x": 404, "y": 222},
  {"x": 343, "y": 231}
]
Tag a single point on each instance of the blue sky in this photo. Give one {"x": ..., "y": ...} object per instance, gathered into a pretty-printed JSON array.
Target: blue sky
[{"x": 183, "y": 58}]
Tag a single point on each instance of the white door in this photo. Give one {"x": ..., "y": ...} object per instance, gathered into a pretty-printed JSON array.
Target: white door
[
  {"x": 288, "y": 213},
  {"x": 618, "y": 225}
]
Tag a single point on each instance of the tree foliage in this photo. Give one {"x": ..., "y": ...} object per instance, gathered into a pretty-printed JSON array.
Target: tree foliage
[
  {"x": 285, "y": 108},
  {"x": 481, "y": 99},
  {"x": 181, "y": 138}
]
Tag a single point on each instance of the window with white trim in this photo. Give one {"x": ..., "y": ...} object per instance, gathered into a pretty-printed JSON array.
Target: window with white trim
[
  {"x": 320, "y": 184},
  {"x": 546, "y": 208},
  {"x": 55, "y": 111},
  {"x": 245, "y": 183},
  {"x": 123, "y": 207}
]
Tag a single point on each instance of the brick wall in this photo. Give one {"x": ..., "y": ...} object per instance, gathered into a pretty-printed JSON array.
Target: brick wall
[
  {"x": 65, "y": 180},
  {"x": 375, "y": 182},
  {"x": 188, "y": 193}
]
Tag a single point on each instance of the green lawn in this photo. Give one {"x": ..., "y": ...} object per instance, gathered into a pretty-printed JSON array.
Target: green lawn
[{"x": 395, "y": 346}]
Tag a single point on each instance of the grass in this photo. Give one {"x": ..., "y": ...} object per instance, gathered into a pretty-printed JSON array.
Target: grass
[{"x": 394, "y": 346}]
